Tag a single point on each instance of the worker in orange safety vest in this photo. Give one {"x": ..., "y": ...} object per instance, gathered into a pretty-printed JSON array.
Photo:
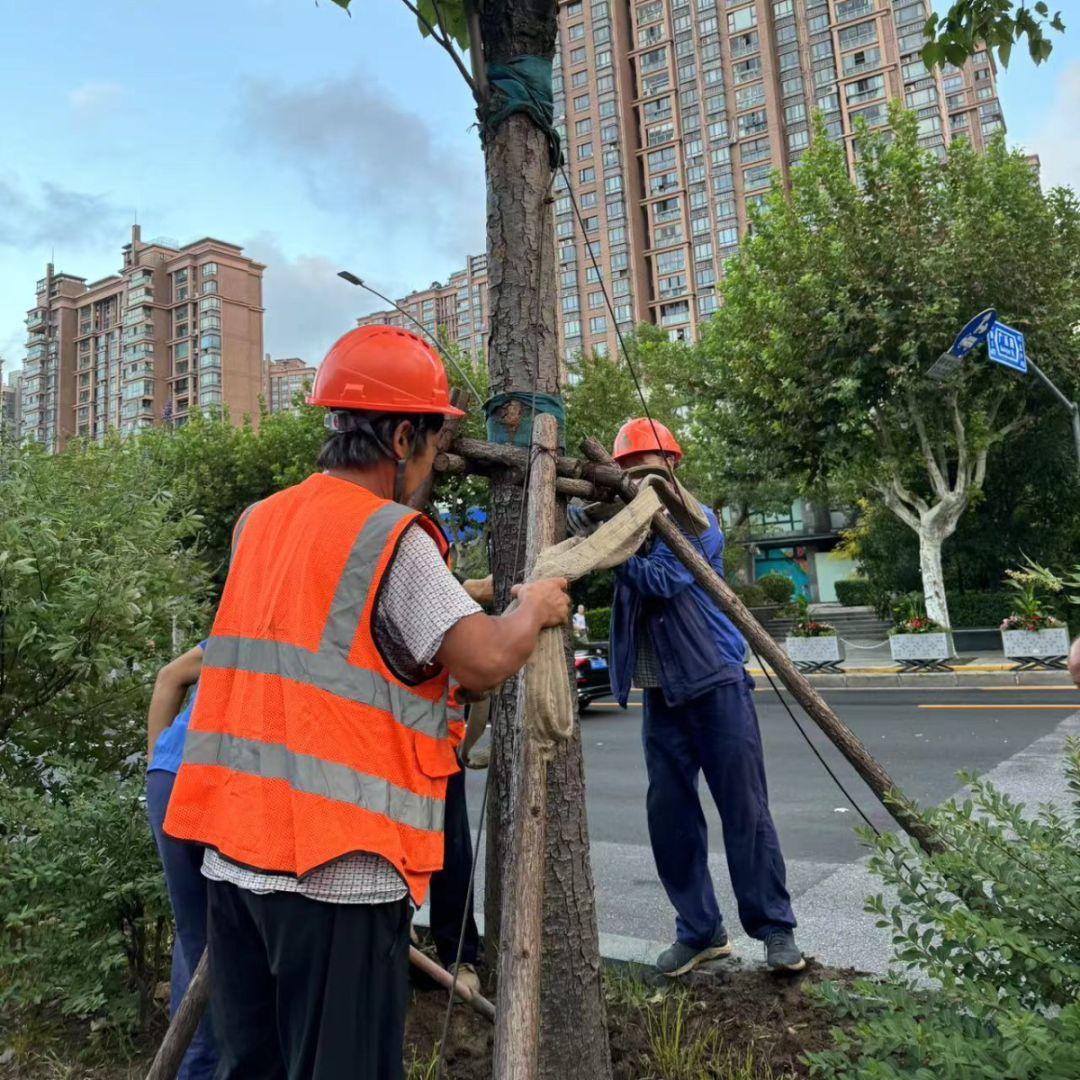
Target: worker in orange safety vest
[{"x": 316, "y": 760}]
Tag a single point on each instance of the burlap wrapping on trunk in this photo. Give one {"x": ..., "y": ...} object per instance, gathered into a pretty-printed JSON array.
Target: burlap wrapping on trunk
[{"x": 550, "y": 703}]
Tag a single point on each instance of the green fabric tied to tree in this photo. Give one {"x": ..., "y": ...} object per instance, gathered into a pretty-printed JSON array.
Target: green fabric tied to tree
[
  {"x": 524, "y": 85},
  {"x": 520, "y": 434}
]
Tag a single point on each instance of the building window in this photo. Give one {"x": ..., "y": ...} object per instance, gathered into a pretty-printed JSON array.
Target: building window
[
  {"x": 587, "y": 175},
  {"x": 757, "y": 177},
  {"x": 584, "y": 151},
  {"x": 209, "y": 269},
  {"x": 741, "y": 20},
  {"x": 576, "y": 32},
  {"x": 851, "y": 37},
  {"x": 577, "y": 56},
  {"x": 598, "y": 324},
  {"x": 583, "y": 127},
  {"x": 581, "y": 102}
]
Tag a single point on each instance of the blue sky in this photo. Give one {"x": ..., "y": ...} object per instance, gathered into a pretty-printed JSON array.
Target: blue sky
[{"x": 316, "y": 140}]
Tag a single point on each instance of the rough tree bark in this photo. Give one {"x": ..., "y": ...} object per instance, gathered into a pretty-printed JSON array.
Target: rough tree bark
[{"x": 523, "y": 355}]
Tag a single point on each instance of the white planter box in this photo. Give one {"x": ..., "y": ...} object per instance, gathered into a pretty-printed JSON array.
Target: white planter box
[
  {"x": 814, "y": 650},
  {"x": 1025, "y": 644},
  {"x": 920, "y": 646}
]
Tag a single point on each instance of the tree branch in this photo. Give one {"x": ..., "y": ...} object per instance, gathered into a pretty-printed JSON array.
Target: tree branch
[
  {"x": 444, "y": 42},
  {"x": 893, "y": 502},
  {"x": 938, "y": 481},
  {"x": 962, "y": 476}
]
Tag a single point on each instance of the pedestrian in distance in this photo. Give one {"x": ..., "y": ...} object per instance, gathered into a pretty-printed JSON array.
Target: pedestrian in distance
[
  {"x": 669, "y": 639},
  {"x": 166, "y": 727},
  {"x": 580, "y": 624},
  {"x": 318, "y": 753}
]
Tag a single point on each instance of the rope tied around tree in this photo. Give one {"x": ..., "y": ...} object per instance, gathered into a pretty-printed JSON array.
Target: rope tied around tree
[{"x": 523, "y": 85}]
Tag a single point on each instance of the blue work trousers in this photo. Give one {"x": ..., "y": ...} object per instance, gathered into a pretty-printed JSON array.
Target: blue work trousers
[
  {"x": 187, "y": 897},
  {"x": 715, "y": 734}
]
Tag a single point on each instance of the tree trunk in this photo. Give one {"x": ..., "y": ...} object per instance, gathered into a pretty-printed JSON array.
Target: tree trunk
[
  {"x": 523, "y": 355},
  {"x": 931, "y": 538}
]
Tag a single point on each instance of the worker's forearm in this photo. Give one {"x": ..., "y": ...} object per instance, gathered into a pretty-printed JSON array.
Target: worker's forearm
[
  {"x": 515, "y": 635},
  {"x": 165, "y": 703}
]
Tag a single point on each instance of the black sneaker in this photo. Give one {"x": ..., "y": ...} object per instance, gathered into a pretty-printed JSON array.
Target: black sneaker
[
  {"x": 781, "y": 952},
  {"x": 680, "y": 958}
]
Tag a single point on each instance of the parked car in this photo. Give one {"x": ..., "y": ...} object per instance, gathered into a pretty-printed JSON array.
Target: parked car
[{"x": 591, "y": 671}]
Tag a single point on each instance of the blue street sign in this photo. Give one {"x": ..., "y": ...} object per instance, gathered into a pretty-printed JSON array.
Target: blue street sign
[
  {"x": 1005, "y": 346},
  {"x": 973, "y": 334}
]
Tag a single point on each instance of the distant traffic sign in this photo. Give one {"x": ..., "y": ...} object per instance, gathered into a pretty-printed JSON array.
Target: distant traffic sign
[
  {"x": 1005, "y": 346},
  {"x": 973, "y": 334},
  {"x": 944, "y": 366}
]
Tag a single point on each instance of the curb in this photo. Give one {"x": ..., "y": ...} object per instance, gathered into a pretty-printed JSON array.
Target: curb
[{"x": 988, "y": 675}]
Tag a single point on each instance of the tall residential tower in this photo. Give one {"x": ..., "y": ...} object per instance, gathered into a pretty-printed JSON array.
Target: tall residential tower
[{"x": 178, "y": 329}]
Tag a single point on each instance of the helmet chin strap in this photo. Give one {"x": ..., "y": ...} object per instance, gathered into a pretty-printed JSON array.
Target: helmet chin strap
[{"x": 346, "y": 421}]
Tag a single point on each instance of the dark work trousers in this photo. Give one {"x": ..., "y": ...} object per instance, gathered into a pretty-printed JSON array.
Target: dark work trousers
[
  {"x": 716, "y": 734},
  {"x": 305, "y": 990},
  {"x": 450, "y": 886},
  {"x": 186, "y": 886}
]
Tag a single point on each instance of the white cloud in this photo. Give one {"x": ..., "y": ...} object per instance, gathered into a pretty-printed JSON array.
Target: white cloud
[
  {"x": 308, "y": 307},
  {"x": 55, "y": 215},
  {"x": 95, "y": 94},
  {"x": 1054, "y": 138},
  {"x": 380, "y": 168}
]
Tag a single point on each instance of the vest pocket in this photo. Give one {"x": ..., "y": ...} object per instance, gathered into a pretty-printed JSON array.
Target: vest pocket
[{"x": 435, "y": 757}]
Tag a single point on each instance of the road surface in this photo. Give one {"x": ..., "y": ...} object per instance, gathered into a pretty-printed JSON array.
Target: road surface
[{"x": 922, "y": 737}]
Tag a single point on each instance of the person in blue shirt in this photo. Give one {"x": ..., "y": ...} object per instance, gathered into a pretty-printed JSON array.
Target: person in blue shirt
[
  {"x": 166, "y": 727},
  {"x": 670, "y": 639}
]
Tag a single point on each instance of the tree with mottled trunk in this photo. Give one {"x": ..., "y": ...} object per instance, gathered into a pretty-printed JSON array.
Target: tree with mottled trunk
[
  {"x": 815, "y": 369},
  {"x": 522, "y": 352}
]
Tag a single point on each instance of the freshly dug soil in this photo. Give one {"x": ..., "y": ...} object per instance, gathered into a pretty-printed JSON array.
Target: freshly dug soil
[{"x": 750, "y": 1008}]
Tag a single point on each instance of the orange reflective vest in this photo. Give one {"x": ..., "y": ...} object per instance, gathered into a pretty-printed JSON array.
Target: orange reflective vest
[{"x": 304, "y": 745}]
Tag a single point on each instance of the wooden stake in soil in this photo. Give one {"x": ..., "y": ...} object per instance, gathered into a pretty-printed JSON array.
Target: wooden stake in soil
[
  {"x": 841, "y": 736},
  {"x": 517, "y": 1022}
]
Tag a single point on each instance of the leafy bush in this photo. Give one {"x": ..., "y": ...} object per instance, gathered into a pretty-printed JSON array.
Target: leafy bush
[
  {"x": 84, "y": 926},
  {"x": 97, "y": 582},
  {"x": 751, "y": 595},
  {"x": 994, "y": 920},
  {"x": 909, "y": 616},
  {"x": 856, "y": 592},
  {"x": 978, "y": 608},
  {"x": 776, "y": 587},
  {"x": 598, "y": 621}
]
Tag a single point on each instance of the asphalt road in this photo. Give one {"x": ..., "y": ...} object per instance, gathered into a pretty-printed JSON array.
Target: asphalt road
[{"x": 921, "y": 737}]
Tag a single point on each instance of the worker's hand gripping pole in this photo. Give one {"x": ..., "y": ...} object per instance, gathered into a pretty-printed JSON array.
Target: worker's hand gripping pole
[{"x": 841, "y": 736}]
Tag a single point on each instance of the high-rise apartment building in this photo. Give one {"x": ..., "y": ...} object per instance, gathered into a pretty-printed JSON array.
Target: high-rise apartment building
[
  {"x": 675, "y": 114},
  {"x": 456, "y": 312},
  {"x": 177, "y": 330},
  {"x": 284, "y": 379},
  {"x": 9, "y": 407}
]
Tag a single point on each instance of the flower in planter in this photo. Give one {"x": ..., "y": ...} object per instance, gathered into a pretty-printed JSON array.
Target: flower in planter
[
  {"x": 909, "y": 617},
  {"x": 1030, "y": 612},
  {"x": 812, "y": 628}
]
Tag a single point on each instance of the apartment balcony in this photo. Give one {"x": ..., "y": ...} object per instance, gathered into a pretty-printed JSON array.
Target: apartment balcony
[{"x": 36, "y": 317}]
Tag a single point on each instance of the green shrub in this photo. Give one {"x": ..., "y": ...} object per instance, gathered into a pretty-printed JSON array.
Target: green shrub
[
  {"x": 84, "y": 923},
  {"x": 856, "y": 592},
  {"x": 598, "y": 621},
  {"x": 751, "y": 595},
  {"x": 776, "y": 587},
  {"x": 994, "y": 922},
  {"x": 978, "y": 608}
]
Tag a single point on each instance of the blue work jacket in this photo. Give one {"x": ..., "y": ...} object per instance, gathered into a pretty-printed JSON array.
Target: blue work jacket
[{"x": 696, "y": 645}]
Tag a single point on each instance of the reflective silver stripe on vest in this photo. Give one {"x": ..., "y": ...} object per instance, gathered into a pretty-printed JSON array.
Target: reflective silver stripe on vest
[
  {"x": 354, "y": 584},
  {"x": 238, "y": 528},
  {"x": 313, "y": 776},
  {"x": 329, "y": 671}
]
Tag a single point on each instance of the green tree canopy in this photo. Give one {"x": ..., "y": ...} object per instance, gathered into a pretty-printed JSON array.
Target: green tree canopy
[
  {"x": 98, "y": 580},
  {"x": 845, "y": 294},
  {"x": 969, "y": 25}
]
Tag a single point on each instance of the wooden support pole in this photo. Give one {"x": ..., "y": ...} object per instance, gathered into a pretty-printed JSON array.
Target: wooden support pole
[
  {"x": 484, "y": 457},
  {"x": 841, "y": 736},
  {"x": 450, "y": 464},
  {"x": 517, "y": 1021},
  {"x": 181, "y": 1030}
]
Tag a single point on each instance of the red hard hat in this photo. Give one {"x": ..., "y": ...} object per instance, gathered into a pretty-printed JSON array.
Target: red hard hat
[
  {"x": 382, "y": 369},
  {"x": 644, "y": 436}
]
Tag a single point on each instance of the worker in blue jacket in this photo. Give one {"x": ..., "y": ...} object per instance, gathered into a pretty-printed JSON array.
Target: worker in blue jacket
[{"x": 670, "y": 639}]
